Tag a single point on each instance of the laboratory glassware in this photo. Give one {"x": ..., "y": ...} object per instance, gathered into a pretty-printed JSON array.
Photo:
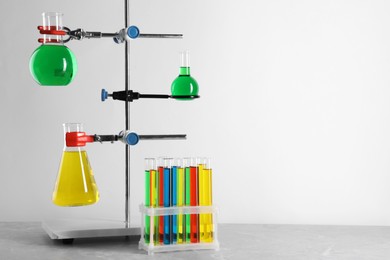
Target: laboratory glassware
[
  {"x": 187, "y": 180},
  {"x": 149, "y": 192},
  {"x": 167, "y": 200},
  {"x": 160, "y": 167},
  {"x": 174, "y": 197},
  {"x": 75, "y": 184},
  {"x": 205, "y": 199},
  {"x": 194, "y": 201},
  {"x": 184, "y": 84},
  {"x": 180, "y": 200},
  {"x": 52, "y": 63}
]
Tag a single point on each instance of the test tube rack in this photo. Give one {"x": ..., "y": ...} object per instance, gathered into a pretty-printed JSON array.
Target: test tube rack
[
  {"x": 66, "y": 229},
  {"x": 152, "y": 248}
]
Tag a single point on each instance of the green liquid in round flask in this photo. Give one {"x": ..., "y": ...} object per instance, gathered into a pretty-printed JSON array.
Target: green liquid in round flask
[
  {"x": 53, "y": 65},
  {"x": 184, "y": 84}
]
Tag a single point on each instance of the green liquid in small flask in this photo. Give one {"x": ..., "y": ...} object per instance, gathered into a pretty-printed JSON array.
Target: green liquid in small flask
[{"x": 184, "y": 84}]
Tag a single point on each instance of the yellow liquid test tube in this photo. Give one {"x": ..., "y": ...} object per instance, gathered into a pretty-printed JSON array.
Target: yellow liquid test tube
[
  {"x": 201, "y": 194},
  {"x": 154, "y": 198},
  {"x": 150, "y": 196},
  {"x": 205, "y": 198},
  {"x": 181, "y": 237}
]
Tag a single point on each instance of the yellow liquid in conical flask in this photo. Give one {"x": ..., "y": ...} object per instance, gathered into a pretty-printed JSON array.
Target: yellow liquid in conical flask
[{"x": 75, "y": 184}]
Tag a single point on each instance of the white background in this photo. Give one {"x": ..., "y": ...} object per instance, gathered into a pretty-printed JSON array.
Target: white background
[{"x": 294, "y": 112}]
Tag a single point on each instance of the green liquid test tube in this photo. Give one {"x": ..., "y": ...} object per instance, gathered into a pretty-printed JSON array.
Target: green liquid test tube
[
  {"x": 181, "y": 238},
  {"x": 150, "y": 196},
  {"x": 187, "y": 178},
  {"x": 147, "y": 200}
]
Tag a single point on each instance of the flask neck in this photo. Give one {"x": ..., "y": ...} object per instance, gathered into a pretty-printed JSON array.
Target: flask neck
[
  {"x": 74, "y": 149},
  {"x": 51, "y": 43},
  {"x": 52, "y": 23},
  {"x": 184, "y": 71},
  {"x": 52, "y": 40}
]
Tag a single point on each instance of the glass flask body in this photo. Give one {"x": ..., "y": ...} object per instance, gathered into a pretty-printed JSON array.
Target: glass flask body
[
  {"x": 75, "y": 184},
  {"x": 52, "y": 63}
]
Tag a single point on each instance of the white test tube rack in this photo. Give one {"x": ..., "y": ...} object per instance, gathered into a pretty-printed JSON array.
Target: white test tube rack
[{"x": 152, "y": 248}]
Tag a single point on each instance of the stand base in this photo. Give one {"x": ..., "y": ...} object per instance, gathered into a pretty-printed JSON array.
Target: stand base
[{"x": 87, "y": 228}]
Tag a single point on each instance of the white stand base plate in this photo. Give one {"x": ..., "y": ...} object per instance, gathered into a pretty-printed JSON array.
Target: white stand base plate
[{"x": 87, "y": 228}]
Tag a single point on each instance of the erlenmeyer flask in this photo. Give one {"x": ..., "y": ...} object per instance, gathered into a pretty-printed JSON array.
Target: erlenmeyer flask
[
  {"x": 75, "y": 185},
  {"x": 52, "y": 63}
]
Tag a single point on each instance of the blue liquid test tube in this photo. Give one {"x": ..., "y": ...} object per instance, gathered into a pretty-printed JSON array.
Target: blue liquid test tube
[
  {"x": 174, "y": 187},
  {"x": 167, "y": 200}
]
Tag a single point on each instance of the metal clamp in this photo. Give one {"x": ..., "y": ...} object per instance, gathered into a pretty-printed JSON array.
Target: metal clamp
[{"x": 131, "y": 32}]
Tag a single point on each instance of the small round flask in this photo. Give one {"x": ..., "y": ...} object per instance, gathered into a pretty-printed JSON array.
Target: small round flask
[{"x": 184, "y": 84}]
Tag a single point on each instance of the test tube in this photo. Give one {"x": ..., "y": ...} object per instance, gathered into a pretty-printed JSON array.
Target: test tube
[
  {"x": 206, "y": 187},
  {"x": 167, "y": 200},
  {"x": 201, "y": 189},
  {"x": 147, "y": 200},
  {"x": 194, "y": 201},
  {"x": 154, "y": 194},
  {"x": 187, "y": 198},
  {"x": 150, "y": 193},
  {"x": 160, "y": 175},
  {"x": 174, "y": 197},
  {"x": 181, "y": 238}
]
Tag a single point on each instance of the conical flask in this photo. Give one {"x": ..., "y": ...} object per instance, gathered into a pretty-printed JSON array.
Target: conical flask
[{"x": 75, "y": 185}]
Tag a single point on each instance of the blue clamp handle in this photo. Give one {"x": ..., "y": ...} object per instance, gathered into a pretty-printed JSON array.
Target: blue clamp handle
[
  {"x": 133, "y": 32},
  {"x": 132, "y": 139},
  {"x": 104, "y": 95}
]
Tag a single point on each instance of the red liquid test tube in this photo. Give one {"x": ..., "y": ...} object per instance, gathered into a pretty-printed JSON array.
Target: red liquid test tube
[
  {"x": 161, "y": 199},
  {"x": 194, "y": 201}
]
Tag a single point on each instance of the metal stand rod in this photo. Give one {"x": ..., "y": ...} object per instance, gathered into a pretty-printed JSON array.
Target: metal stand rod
[
  {"x": 159, "y": 137},
  {"x": 80, "y": 34},
  {"x": 127, "y": 119},
  {"x": 155, "y": 35},
  {"x": 109, "y": 35}
]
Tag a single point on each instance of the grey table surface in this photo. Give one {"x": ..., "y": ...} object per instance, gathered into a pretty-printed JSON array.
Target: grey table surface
[{"x": 27, "y": 240}]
